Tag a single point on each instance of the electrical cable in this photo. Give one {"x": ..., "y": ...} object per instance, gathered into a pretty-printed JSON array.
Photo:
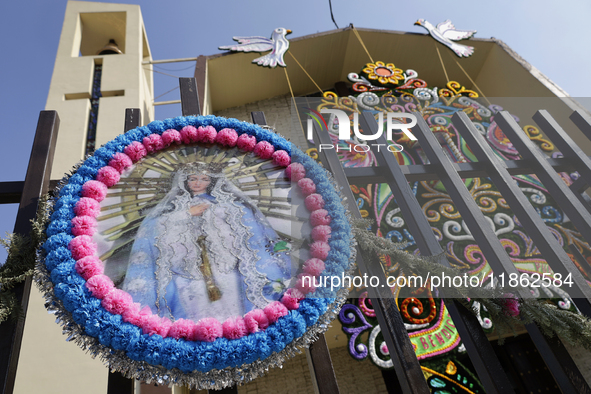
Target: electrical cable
[{"x": 331, "y": 15}]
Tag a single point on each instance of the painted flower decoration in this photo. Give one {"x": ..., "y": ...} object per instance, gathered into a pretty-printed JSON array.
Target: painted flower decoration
[{"x": 384, "y": 73}]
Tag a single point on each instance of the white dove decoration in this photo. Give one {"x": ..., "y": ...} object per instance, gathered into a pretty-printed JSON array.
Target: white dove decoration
[
  {"x": 278, "y": 45},
  {"x": 446, "y": 33}
]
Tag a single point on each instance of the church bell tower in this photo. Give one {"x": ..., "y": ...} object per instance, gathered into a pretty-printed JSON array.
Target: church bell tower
[{"x": 98, "y": 73}]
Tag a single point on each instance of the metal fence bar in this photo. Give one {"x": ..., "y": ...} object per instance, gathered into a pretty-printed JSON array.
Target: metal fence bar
[
  {"x": 320, "y": 362},
  {"x": 406, "y": 365},
  {"x": 489, "y": 244},
  {"x": 321, "y": 369},
  {"x": 258, "y": 117},
  {"x": 578, "y": 188},
  {"x": 565, "y": 144},
  {"x": 479, "y": 349},
  {"x": 427, "y": 172},
  {"x": 570, "y": 150},
  {"x": 529, "y": 218},
  {"x": 133, "y": 118},
  {"x": 576, "y": 211},
  {"x": 582, "y": 121},
  {"x": 189, "y": 97},
  {"x": 36, "y": 185},
  {"x": 10, "y": 192},
  {"x": 580, "y": 260}
]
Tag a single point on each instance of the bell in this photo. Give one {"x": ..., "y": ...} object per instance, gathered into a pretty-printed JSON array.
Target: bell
[{"x": 110, "y": 49}]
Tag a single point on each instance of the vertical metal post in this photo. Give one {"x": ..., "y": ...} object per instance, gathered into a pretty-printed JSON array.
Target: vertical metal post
[
  {"x": 200, "y": 76},
  {"x": 133, "y": 118},
  {"x": 189, "y": 96},
  {"x": 36, "y": 184},
  {"x": 258, "y": 117},
  {"x": 119, "y": 384}
]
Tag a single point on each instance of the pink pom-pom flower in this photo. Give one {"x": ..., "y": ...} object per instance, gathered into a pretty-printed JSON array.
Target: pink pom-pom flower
[
  {"x": 291, "y": 299},
  {"x": 133, "y": 315},
  {"x": 295, "y": 172},
  {"x": 256, "y": 320},
  {"x": 319, "y": 217},
  {"x": 135, "y": 151},
  {"x": 207, "y": 134},
  {"x": 89, "y": 266},
  {"x": 319, "y": 250},
  {"x": 295, "y": 293},
  {"x": 150, "y": 324},
  {"x": 87, "y": 207},
  {"x": 99, "y": 285},
  {"x": 163, "y": 327},
  {"x": 321, "y": 233},
  {"x": 83, "y": 225},
  {"x": 171, "y": 136},
  {"x": 511, "y": 305},
  {"x": 153, "y": 143},
  {"x": 207, "y": 330},
  {"x": 108, "y": 175},
  {"x": 182, "y": 328},
  {"x": 234, "y": 328},
  {"x": 305, "y": 283},
  {"x": 82, "y": 246},
  {"x": 120, "y": 162},
  {"x": 227, "y": 137},
  {"x": 275, "y": 310},
  {"x": 281, "y": 158},
  {"x": 264, "y": 150},
  {"x": 314, "y": 266},
  {"x": 94, "y": 189},
  {"x": 246, "y": 142},
  {"x": 117, "y": 301},
  {"x": 307, "y": 186},
  {"x": 189, "y": 134},
  {"x": 154, "y": 324},
  {"x": 314, "y": 201}
]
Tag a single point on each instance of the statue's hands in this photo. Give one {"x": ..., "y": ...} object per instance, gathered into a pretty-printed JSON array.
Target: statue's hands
[{"x": 197, "y": 210}]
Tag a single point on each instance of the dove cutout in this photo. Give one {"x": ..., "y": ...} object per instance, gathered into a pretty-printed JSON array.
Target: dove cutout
[
  {"x": 446, "y": 33},
  {"x": 277, "y": 44}
]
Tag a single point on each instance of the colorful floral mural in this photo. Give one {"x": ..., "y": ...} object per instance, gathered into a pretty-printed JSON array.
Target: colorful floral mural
[{"x": 433, "y": 335}]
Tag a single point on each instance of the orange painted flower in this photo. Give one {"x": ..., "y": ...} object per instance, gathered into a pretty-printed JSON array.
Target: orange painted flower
[{"x": 384, "y": 73}]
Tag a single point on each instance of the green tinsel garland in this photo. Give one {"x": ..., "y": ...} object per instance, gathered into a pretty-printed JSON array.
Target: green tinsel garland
[
  {"x": 20, "y": 263},
  {"x": 572, "y": 327}
]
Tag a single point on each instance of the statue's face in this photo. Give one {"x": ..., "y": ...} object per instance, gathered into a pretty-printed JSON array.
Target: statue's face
[{"x": 198, "y": 183}]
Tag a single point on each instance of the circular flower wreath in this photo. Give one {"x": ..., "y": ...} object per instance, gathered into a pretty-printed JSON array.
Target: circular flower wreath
[{"x": 207, "y": 354}]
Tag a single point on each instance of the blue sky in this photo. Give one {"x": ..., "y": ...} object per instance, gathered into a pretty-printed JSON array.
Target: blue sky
[{"x": 551, "y": 36}]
